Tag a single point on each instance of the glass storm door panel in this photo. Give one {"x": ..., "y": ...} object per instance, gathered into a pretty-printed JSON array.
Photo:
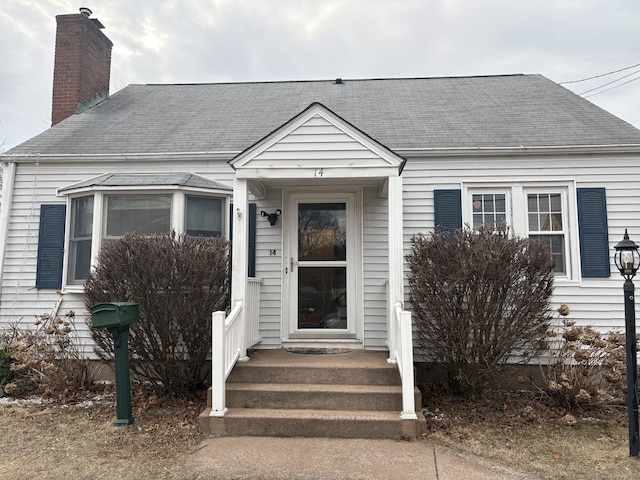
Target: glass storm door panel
[{"x": 322, "y": 265}]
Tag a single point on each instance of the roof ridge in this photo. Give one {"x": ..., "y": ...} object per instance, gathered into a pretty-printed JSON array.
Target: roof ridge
[{"x": 374, "y": 79}]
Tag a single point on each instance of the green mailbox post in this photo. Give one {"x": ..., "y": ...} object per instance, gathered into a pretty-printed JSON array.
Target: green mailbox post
[{"x": 116, "y": 317}]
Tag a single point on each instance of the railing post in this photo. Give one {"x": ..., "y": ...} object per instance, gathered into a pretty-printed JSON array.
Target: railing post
[
  {"x": 408, "y": 387},
  {"x": 218, "y": 408},
  {"x": 395, "y": 239},
  {"x": 240, "y": 257}
]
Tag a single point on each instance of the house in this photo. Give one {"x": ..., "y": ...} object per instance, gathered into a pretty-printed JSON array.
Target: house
[{"x": 323, "y": 183}]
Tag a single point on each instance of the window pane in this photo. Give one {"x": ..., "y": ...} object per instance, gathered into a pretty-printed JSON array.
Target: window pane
[
  {"x": 204, "y": 216},
  {"x": 533, "y": 222},
  {"x": 144, "y": 214},
  {"x": 556, "y": 245},
  {"x": 322, "y": 297},
  {"x": 322, "y": 231},
  {"x": 79, "y": 261},
  {"x": 82, "y": 216},
  {"x": 80, "y": 239},
  {"x": 543, "y": 202},
  {"x": 532, "y": 203},
  {"x": 556, "y": 222},
  {"x": 489, "y": 209}
]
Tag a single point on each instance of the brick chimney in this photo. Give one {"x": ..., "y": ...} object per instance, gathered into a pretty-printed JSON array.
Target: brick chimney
[{"x": 82, "y": 65}]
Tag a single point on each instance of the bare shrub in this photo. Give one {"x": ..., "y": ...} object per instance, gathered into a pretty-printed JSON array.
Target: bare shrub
[
  {"x": 481, "y": 298},
  {"x": 584, "y": 369},
  {"x": 48, "y": 359},
  {"x": 178, "y": 281}
]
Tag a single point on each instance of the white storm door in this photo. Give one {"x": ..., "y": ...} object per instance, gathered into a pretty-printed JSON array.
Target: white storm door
[{"x": 321, "y": 264}]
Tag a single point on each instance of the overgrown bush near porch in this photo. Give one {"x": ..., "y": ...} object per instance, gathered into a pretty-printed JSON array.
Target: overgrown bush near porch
[
  {"x": 585, "y": 369},
  {"x": 480, "y": 298},
  {"x": 178, "y": 281}
]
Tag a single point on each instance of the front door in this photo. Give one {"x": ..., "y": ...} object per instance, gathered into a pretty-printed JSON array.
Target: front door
[{"x": 321, "y": 265}]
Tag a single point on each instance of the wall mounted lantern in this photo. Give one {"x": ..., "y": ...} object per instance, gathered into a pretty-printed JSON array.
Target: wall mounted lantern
[
  {"x": 272, "y": 217},
  {"x": 627, "y": 260}
]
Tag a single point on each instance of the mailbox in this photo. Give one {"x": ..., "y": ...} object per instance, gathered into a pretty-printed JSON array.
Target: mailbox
[
  {"x": 116, "y": 314},
  {"x": 117, "y": 317}
]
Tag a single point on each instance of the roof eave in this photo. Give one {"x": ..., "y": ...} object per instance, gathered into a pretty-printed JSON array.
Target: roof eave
[
  {"x": 519, "y": 150},
  {"x": 115, "y": 157}
]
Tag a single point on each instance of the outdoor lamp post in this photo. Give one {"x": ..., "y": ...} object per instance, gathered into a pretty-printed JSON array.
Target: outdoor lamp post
[{"x": 627, "y": 260}]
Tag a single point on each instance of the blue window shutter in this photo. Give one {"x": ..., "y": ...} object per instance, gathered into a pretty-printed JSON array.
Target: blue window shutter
[
  {"x": 448, "y": 209},
  {"x": 50, "y": 246},
  {"x": 593, "y": 232},
  {"x": 251, "y": 236},
  {"x": 252, "y": 239}
]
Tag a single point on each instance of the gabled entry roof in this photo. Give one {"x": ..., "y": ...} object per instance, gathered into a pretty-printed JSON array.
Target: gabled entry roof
[{"x": 317, "y": 143}]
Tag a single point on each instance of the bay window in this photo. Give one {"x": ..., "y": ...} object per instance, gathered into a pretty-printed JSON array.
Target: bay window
[{"x": 110, "y": 206}]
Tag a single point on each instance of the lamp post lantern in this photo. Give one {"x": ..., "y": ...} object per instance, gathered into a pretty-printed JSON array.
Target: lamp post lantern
[{"x": 628, "y": 260}]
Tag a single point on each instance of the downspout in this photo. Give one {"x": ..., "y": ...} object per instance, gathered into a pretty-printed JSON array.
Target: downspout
[{"x": 9, "y": 175}]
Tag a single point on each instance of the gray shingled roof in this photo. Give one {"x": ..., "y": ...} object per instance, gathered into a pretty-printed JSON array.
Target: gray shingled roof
[
  {"x": 468, "y": 112},
  {"x": 181, "y": 179}
]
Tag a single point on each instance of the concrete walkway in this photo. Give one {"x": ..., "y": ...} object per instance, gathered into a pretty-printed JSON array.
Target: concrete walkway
[{"x": 327, "y": 458}]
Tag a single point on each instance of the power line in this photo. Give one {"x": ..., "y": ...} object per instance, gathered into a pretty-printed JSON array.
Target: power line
[
  {"x": 601, "y": 75},
  {"x": 609, "y": 83},
  {"x": 615, "y": 86}
]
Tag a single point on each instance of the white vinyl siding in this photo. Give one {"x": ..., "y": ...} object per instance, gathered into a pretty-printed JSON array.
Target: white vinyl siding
[
  {"x": 375, "y": 240},
  {"x": 593, "y": 301},
  {"x": 34, "y": 185}
]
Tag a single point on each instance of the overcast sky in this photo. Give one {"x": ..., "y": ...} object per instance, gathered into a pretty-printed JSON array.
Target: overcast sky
[{"x": 202, "y": 41}]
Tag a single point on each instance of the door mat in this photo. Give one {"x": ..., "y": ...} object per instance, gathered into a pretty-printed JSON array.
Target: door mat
[{"x": 317, "y": 351}]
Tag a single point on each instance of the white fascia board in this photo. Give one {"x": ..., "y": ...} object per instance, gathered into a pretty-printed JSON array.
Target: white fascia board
[
  {"x": 116, "y": 157},
  {"x": 540, "y": 150},
  {"x": 317, "y": 173}
]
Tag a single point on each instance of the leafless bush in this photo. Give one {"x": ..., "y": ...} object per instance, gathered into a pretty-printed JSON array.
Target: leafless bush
[
  {"x": 48, "y": 359},
  {"x": 584, "y": 369},
  {"x": 481, "y": 298},
  {"x": 178, "y": 281}
]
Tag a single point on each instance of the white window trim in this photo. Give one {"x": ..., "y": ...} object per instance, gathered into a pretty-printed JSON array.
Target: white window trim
[
  {"x": 565, "y": 214},
  {"x": 177, "y": 222},
  {"x": 517, "y": 197}
]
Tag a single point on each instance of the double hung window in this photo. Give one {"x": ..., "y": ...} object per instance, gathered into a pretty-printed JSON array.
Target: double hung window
[
  {"x": 545, "y": 222},
  {"x": 529, "y": 209}
]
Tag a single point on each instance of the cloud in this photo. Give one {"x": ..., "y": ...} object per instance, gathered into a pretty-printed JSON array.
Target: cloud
[{"x": 198, "y": 41}]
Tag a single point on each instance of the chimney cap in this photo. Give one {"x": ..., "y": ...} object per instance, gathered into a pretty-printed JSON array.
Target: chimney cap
[{"x": 86, "y": 11}]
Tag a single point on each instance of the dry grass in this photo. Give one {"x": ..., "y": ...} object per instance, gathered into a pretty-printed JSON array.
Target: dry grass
[
  {"x": 514, "y": 429},
  {"x": 81, "y": 442},
  {"x": 521, "y": 430}
]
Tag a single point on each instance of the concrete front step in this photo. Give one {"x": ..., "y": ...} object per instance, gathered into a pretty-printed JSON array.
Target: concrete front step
[
  {"x": 315, "y": 396},
  {"x": 278, "y": 393},
  {"x": 311, "y": 423},
  {"x": 246, "y": 373}
]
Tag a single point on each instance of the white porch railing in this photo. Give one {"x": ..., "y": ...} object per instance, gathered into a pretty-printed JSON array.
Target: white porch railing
[
  {"x": 231, "y": 335},
  {"x": 401, "y": 353}
]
